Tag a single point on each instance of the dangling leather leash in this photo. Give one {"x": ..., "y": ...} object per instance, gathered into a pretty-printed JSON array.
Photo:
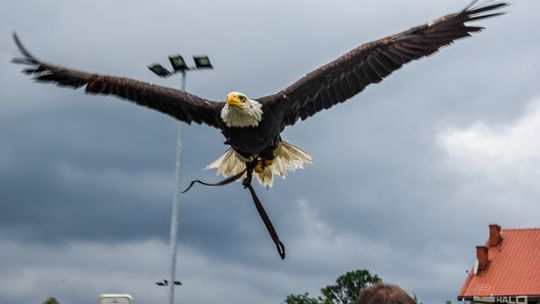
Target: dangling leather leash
[
  {"x": 224, "y": 182},
  {"x": 267, "y": 222},
  {"x": 260, "y": 209}
]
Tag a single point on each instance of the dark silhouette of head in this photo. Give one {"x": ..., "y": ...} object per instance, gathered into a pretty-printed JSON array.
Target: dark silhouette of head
[{"x": 384, "y": 294}]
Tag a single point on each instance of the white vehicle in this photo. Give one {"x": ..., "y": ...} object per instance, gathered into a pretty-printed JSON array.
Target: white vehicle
[{"x": 115, "y": 299}]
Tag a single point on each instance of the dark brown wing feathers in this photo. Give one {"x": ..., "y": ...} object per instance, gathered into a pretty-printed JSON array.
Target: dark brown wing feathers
[
  {"x": 321, "y": 89},
  {"x": 179, "y": 104},
  {"x": 370, "y": 63}
]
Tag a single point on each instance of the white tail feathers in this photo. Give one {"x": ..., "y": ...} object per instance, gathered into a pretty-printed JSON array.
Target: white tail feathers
[
  {"x": 286, "y": 157},
  {"x": 230, "y": 163}
]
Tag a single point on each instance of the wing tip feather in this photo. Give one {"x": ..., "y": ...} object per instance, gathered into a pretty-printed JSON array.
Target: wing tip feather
[
  {"x": 473, "y": 12},
  {"x": 27, "y": 58}
]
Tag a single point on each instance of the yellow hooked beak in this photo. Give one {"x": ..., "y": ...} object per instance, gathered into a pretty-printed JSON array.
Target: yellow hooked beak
[{"x": 234, "y": 100}]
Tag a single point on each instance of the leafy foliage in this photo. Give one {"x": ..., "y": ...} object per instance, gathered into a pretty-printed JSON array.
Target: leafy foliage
[
  {"x": 51, "y": 300},
  {"x": 416, "y": 300},
  {"x": 345, "y": 291},
  {"x": 301, "y": 299}
]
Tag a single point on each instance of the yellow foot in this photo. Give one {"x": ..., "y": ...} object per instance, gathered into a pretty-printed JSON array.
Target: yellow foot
[{"x": 261, "y": 164}]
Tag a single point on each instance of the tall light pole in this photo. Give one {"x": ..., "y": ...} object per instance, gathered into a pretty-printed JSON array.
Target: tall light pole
[{"x": 179, "y": 66}]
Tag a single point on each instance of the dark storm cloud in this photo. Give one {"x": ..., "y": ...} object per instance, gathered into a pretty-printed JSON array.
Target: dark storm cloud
[{"x": 81, "y": 173}]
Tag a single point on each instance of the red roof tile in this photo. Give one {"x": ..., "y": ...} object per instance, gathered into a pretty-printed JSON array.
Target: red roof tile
[{"x": 513, "y": 268}]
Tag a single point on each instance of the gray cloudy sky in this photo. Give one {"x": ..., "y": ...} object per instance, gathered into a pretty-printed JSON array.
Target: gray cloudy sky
[{"x": 406, "y": 176}]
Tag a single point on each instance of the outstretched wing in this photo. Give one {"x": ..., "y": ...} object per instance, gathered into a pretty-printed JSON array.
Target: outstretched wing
[
  {"x": 370, "y": 63},
  {"x": 176, "y": 103}
]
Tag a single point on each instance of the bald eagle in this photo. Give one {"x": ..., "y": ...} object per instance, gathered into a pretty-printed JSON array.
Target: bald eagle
[{"x": 252, "y": 126}]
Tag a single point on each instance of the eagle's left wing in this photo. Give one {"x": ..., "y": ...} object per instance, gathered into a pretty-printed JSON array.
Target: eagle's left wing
[
  {"x": 176, "y": 103},
  {"x": 370, "y": 63}
]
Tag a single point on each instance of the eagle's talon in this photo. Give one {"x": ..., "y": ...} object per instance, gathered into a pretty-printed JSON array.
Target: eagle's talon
[
  {"x": 259, "y": 168},
  {"x": 261, "y": 165}
]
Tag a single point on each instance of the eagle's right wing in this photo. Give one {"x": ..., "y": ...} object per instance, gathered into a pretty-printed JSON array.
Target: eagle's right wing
[
  {"x": 176, "y": 103},
  {"x": 369, "y": 63}
]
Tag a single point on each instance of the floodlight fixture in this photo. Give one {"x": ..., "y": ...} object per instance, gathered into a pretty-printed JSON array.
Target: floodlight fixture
[
  {"x": 159, "y": 70},
  {"x": 178, "y": 63},
  {"x": 202, "y": 62}
]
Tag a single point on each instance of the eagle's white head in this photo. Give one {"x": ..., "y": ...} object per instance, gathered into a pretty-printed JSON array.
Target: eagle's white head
[{"x": 240, "y": 111}]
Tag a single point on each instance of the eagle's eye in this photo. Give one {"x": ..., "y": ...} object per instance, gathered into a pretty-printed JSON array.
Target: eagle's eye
[{"x": 242, "y": 98}]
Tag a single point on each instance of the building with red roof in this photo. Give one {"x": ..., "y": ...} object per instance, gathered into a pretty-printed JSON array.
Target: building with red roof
[{"x": 507, "y": 268}]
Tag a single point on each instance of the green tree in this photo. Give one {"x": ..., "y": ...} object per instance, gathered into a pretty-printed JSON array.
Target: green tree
[
  {"x": 347, "y": 287},
  {"x": 51, "y": 300},
  {"x": 416, "y": 300},
  {"x": 345, "y": 291},
  {"x": 301, "y": 299}
]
